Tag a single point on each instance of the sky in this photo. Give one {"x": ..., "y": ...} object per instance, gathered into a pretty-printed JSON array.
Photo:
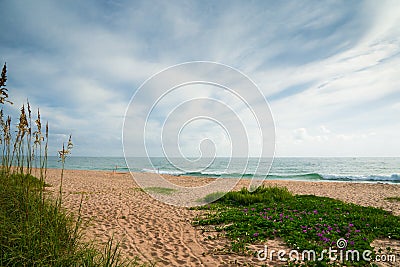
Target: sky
[{"x": 327, "y": 69}]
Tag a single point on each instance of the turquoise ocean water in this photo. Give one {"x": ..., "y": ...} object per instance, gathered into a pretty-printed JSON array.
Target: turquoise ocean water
[{"x": 316, "y": 169}]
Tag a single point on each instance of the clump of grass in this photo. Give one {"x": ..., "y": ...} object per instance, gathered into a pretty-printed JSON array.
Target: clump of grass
[
  {"x": 393, "y": 199},
  {"x": 34, "y": 230},
  {"x": 160, "y": 190},
  {"x": 212, "y": 197},
  {"x": 261, "y": 194},
  {"x": 304, "y": 222}
]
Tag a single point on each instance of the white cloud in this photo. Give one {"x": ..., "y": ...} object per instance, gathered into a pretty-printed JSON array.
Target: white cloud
[
  {"x": 332, "y": 67},
  {"x": 324, "y": 129}
]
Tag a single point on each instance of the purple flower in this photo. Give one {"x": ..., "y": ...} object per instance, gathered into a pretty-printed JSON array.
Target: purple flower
[
  {"x": 325, "y": 239},
  {"x": 351, "y": 225},
  {"x": 305, "y": 231},
  {"x": 315, "y": 212},
  {"x": 319, "y": 234},
  {"x": 255, "y": 234}
]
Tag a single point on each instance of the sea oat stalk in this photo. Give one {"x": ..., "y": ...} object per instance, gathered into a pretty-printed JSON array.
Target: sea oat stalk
[{"x": 63, "y": 155}]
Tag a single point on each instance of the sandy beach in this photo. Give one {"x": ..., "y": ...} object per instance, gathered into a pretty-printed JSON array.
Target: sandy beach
[{"x": 155, "y": 232}]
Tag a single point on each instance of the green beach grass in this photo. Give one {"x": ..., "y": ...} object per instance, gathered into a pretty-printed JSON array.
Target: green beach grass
[
  {"x": 35, "y": 230},
  {"x": 304, "y": 222},
  {"x": 393, "y": 199},
  {"x": 160, "y": 190}
]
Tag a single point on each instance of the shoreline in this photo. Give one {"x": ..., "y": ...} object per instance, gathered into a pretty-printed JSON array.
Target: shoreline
[
  {"x": 235, "y": 178},
  {"x": 114, "y": 205}
]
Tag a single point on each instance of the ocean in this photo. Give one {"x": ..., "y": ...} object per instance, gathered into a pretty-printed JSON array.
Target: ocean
[{"x": 386, "y": 170}]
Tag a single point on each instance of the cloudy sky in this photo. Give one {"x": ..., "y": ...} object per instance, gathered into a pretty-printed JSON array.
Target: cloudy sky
[{"x": 328, "y": 69}]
